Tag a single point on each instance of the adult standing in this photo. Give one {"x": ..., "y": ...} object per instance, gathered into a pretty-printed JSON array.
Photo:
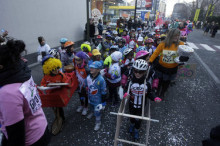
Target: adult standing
[
  {"x": 100, "y": 27},
  {"x": 91, "y": 30},
  {"x": 215, "y": 30},
  {"x": 129, "y": 24},
  {"x": 21, "y": 116},
  {"x": 166, "y": 68}
]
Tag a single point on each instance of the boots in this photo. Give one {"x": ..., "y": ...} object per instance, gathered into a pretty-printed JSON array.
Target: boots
[{"x": 58, "y": 122}]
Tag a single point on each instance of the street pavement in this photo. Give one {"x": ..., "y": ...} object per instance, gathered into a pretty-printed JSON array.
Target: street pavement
[{"x": 186, "y": 116}]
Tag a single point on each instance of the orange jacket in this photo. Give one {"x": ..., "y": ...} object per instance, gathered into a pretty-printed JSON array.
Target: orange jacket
[
  {"x": 167, "y": 55},
  {"x": 59, "y": 78}
]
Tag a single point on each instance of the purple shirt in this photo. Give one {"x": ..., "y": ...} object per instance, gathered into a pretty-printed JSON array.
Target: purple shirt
[{"x": 14, "y": 107}]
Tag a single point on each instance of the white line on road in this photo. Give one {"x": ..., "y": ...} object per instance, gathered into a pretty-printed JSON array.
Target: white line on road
[
  {"x": 192, "y": 45},
  {"x": 214, "y": 77},
  {"x": 217, "y": 46},
  {"x": 207, "y": 47}
]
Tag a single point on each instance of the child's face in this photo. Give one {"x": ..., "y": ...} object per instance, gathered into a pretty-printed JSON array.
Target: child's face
[
  {"x": 150, "y": 45},
  {"x": 139, "y": 73},
  {"x": 55, "y": 71},
  {"x": 98, "y": 57},
  {"x": 85, "y": 49},
  {"x": 140, "y": 42},
  {"x": 78, "y": 61},
  {"x": 94, "y": 71},
  {"x": 130, "y": 55}
]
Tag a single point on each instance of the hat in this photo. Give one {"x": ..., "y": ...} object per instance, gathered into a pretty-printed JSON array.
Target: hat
[
  {"x": 68, "y": 43},
  {"x": 95, "y": 52},
  {"x": 138, "y": 29},
  {"x": 140, "y": 39},
  {"x": 116, "y": 56},
  {"x": 96, "y": 64},
  {"x": 82, "y": 55}
]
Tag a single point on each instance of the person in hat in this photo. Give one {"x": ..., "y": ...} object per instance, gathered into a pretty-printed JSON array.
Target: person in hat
[
  {"x": 96, "y": 88},
  {"x": 96, "y": 56},
  {"x": 52, "y": 74},
  {"x": 106, "y": 46},
  {"x": 126, "y": 36},
  {"x": 62, "y": 42},
  {"x": 108, "y": 60},
  {"x": 138, "y": 81},
  {"x": 81, "y": 69},
  {"x": 149, "y": 46},
  {"x": 67, "y": 54},
  {"x": 113, "y": 75},
  {"x": 139, "y": 33},
  {"x": 85, "y": 47}
]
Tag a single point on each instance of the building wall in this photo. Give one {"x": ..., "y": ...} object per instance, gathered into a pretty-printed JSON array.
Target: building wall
[{"x": 53, "y": 19}]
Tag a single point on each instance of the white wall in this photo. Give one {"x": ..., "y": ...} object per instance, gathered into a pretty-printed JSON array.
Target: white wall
[{"x": 53, "y": 19}]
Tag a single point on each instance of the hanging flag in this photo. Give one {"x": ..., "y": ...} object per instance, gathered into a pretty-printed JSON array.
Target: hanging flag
[
  {"x": 196, "y": 15},
  {"x": 208, "y": 10},
  {"x": 213, "y": 7}
]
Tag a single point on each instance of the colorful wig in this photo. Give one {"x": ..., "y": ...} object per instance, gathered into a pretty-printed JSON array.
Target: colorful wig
[
  {"x": 51, "y": 64},
  {"x": 86, "y": 46}
]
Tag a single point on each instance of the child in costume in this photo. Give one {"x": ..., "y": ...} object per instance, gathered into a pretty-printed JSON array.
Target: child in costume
[
  {"x": 96, "y": 56},
  {"x": 52, "y": 74},
  {"x": 149, "y": 46},
  {"x": 126, "y": 36},
  {"x": 113, "y": 75},
  {"x": 128, "y": 60},
  {"x": 108, "y": 60},
  {"x": 81, "y": 69},
  {"x": 96, "y": 88},
  {"x": 85, "y": 47},
  {"x": 137, "y": 85}
]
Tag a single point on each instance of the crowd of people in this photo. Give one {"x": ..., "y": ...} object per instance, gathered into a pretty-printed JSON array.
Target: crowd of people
[{"x": 140, "y": 60}]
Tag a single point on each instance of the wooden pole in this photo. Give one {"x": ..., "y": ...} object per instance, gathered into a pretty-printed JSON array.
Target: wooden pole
[{"x": 135, "y": 10}]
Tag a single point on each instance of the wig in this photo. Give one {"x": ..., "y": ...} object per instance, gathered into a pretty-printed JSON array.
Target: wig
[
  {"x": 86, "y": 46},
  {"x": 51, "y": 64}
]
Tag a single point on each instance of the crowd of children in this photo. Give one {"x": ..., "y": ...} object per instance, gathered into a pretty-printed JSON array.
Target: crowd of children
[{"x": 118, "y": 58}]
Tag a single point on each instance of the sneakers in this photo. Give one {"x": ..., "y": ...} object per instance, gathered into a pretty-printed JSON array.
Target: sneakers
[
  {"x": 97, "y": 126},
  {"x": 84, "y": 112},
  {"x": 79, "y": 109},
  {"x": 90, "y": 115}
]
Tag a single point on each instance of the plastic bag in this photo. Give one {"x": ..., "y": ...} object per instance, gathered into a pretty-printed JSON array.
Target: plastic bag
[{"x": 120, "y": 92}]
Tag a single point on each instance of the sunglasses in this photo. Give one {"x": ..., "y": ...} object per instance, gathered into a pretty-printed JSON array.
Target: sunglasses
[
  {"x": 56, "y": 69},
  {"x": 139, "y": 71}
]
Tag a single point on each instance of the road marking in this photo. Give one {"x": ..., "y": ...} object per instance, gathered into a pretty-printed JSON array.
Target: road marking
[
  {"x": 217, "y": 47},
  {"x": 192, "y": 45},
  {"x": 207, "y": 47},
  {"x": 214, "y": 77}
]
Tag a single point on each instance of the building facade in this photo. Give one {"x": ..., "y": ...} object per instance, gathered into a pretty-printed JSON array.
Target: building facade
[{"x": 52, "y": 19}]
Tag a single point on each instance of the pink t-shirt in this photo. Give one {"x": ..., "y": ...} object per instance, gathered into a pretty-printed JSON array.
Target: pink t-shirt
[{"x": 14, "y": 107}]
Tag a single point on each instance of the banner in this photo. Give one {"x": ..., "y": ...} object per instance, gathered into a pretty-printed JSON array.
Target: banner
[
  {"x": 143, "y": 15},
  {"x": 148, "y": 4},
  {"x": 213, "y": 7},
  {"x": 208, "y": 10},
  {"x": 196, "y": 15},
  {"x": 147, "y": 15}
]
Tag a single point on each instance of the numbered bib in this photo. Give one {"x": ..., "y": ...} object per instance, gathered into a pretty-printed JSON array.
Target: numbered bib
[{"x": 29, "y": 90}]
